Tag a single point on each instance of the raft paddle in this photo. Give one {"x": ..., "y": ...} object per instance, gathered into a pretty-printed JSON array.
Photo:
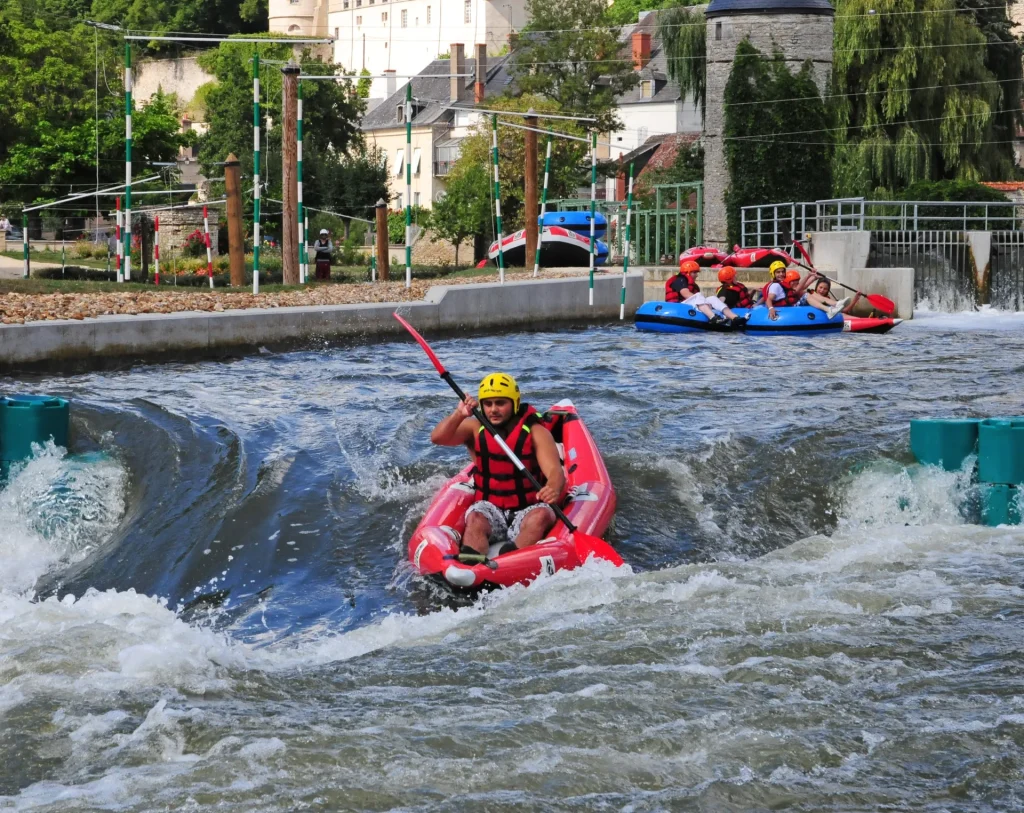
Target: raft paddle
[
  {"x": 879, "y": 302},
  {"x": 586, "y": 545}
]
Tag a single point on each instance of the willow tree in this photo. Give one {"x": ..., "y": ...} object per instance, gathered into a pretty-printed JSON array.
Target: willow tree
[
  {"x": 774, "y": 120},
  {"x": 683, "y": 30},
  {"x": 914, "y": 99}
]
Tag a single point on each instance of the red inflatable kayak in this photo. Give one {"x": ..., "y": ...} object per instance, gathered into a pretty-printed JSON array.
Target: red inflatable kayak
[
  {"x": 862, "y": 324},
  {"x": 589, "y": 504},
  {"x": 756, "y": 257},
  {"x": 704, "y": 256}
]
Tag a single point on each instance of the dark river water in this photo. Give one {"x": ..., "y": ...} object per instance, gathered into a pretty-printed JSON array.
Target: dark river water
[{"x": 205, "y": 603}]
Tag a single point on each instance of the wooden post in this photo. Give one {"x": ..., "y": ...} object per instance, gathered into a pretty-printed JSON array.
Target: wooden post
[
  {"x": 236, "y": 240},
  {"x": 290, "y": 173},
  {"x": 530, "y": 200},
  {"x": 383, "y": 260}
]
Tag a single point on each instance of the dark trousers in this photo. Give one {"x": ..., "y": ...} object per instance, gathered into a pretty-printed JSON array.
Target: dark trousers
[{"x": 323, "y": 269}]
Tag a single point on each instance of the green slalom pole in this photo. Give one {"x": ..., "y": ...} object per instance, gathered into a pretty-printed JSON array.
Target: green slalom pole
[
  {"x": 302, "y": 232},
  {"x": 256, "y": 172},
  {"x": 497, "y": 198},
  {"x": 24, "y": 242},
  {"x": 127, "y": 161},
  {"x": 625, "y": 255},
  {"x": 593, "y": 208},
  {"x": 408, "y": 185},
  {"x": 543, "y": 209}
]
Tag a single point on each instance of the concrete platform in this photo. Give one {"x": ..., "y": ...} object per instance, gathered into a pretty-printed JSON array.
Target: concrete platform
[{"x": 536, "y": 304}]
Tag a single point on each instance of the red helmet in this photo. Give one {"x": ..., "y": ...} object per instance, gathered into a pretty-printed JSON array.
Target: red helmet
[
  {"x": 689, "y": 267},
  {"x": 727, "y": 274}
]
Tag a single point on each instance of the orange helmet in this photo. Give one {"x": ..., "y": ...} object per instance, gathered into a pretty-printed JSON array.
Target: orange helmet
[
  {"x": 727, "y": 274},
  {"x": 792, "y": 275},
  {"x": 689, "y": 267}
]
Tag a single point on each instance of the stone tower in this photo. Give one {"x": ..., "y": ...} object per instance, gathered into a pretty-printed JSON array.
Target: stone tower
[
  {"x": 801, "y": 29},
  {"x": 307, "y": 18}
]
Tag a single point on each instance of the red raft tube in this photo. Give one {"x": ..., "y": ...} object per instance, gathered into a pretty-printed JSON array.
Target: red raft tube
[{"x": 589, "y": 504}]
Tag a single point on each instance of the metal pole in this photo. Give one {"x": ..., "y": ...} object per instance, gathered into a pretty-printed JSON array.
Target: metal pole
[
  {"x": 593, "y": 210},
  {"x": 127, "y": 161},
  {"x": 63, "y": 253},
  {"x": 120, "y": 244},
  {"x": 256, "y": 172},
  {"x": 625, "y": 256},
  {"x": 156, "y": 248},
  {"x": 302, "y": 231},
  {"x": 209, "y": 251},
  {"x": 543, "y": 208},
  {"x": 408, "y": 185},
  {"x": 497, "y": 198},
  {"x": 24, "y": 242}
]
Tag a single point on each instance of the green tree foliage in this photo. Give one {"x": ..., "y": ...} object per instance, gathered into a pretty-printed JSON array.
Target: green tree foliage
[
  {"x": 48, "y": 138},
  {"x": 566, "y": 158},
  {"x": 464, "y": 211},
  {"x": 225, "y": 17},
  {"x": 764, "y": 103},
  {"x": 351, "y": 186},
  {"x": 686, "y": 167},
  {"x": 627, "y": 12},
  {"x": 330, "y": 129},
  {"x": 570, "y": 54},
  {"x": 910, "y": 109},
  {"x": 682, "y": 31}
]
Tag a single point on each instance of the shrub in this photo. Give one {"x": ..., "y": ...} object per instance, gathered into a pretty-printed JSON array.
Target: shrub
[
  {"x": 81, "y": 249},
  {"x": 194, "y": 245}
]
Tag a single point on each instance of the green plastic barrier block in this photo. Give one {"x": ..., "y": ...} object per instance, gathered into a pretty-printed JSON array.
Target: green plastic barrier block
[
  {"x": 28, "y": 419},
  {"x": 945, "y": 442},
  {"x": 1000, "y": 505},
  {"x": 1001, "y": 451}
]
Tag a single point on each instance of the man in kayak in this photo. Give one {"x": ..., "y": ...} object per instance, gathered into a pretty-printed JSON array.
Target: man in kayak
[
  {"x": 785, "y": 289},
  {"x": 733, "y": 293},
  {"x": 508, "y": 509},
  {"x": 683, "y": 287},
  {"x": 820, "y": 297}
]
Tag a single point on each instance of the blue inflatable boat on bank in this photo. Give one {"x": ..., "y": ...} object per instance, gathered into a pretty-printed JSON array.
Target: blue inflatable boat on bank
[{"x": 677, "y": 317}]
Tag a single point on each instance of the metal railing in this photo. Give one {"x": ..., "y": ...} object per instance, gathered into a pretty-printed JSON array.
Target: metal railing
[
  {"x": 1006, "y": 271},
  {"x": 776, "y": 224},
  {"x": 943, "y": 265}
]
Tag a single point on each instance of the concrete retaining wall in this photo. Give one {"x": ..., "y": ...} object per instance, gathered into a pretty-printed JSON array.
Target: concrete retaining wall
[
  {"x": 539, "y": 304},
  {"x": 895, "y": 283}
]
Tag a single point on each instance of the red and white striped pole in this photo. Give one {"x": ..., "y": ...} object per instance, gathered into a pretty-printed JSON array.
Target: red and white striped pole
[
  {"x": 120, "y": 245},
  {"x": 209, "y": 252},
  {"x": 156, "y": 246}
]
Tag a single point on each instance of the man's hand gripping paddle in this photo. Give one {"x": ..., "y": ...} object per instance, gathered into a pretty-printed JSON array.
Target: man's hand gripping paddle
[
  {"x": 586, "y": 545},
  {"x": 878, "y": 302}
]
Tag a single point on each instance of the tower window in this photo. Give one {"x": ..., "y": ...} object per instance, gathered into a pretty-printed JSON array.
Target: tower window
[
  {"x": 428, "y": 15},
  {"x": 405, "y": 18},
  {"x": 467, "y": 12},
  {"x": 718, "y": 31}
]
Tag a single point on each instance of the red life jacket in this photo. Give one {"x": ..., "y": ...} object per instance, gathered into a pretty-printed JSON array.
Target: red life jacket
[
  {"x": 743, "y": 295},
  {"x": 671, "y": 295},
  {"x": 495, "y": 478},
  {"x": 791, "y": 295}
]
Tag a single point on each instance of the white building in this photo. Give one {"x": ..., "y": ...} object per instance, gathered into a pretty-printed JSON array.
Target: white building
[
  {"x": 306, "y": 18},
  {"x": 405, "y": 36}
]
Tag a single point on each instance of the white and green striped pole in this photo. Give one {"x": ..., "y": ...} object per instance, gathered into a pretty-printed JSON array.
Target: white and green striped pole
[
  {"x": 625, "y": 255},
  {"x": 408, "y": 185},
  {"x": 497, "y": 198},
  {"x": 24, "y": 242},
  {"x": 593, "y": 208},
  {"x": 543, "y": 208},
  {"x": 302, "y": 232},
  {"x": 256, "y": 172},
  {"x": 63, "y": 254},
  {"x": 127, "y": 161}
]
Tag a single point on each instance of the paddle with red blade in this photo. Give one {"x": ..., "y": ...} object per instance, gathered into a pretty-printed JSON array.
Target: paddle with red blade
[
  {"x": 878, "y": 302},
  {"x": 586, "y": 545}
]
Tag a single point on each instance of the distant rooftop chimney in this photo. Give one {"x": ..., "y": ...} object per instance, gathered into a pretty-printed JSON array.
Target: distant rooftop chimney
[
  {"x": 480, "y": 87},
  {"x": 457, "y": 67},
  {"x": 391, "y": 83},
  {"x": 641, "y": 49}
]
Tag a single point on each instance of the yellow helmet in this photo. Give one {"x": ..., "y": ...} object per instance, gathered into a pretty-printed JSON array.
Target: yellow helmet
[
  {"x": 775, "y": 266},
  {"x": 499, "y": 385}
]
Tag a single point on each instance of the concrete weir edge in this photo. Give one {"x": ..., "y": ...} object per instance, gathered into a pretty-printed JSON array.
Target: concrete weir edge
[{"x": 451, "y": 308}]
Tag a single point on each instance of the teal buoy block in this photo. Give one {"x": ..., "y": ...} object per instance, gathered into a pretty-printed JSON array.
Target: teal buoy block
[
  {"x": 1000, "y": 505},
  {"x": 28, "y": 419},
  {"x": 1001, "y": 451},
  {"x": 945, "y": 442}
]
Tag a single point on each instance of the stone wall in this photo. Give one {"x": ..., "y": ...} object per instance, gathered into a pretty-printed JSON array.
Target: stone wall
[
  {"x": 177, "y": 224},
  {"x": 799, "y": 37},
  {"x": 182, "y": 77}
]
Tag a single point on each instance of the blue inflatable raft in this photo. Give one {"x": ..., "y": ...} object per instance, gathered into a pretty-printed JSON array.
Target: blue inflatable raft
[
  {"x": 578, "y": 222},
  {"x": 676, "y": 317}
]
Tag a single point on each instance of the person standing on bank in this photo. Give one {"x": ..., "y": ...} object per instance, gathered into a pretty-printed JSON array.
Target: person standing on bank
[
  {"x": 324, "y": 250},
  {"x": 507, "y": 508}
]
